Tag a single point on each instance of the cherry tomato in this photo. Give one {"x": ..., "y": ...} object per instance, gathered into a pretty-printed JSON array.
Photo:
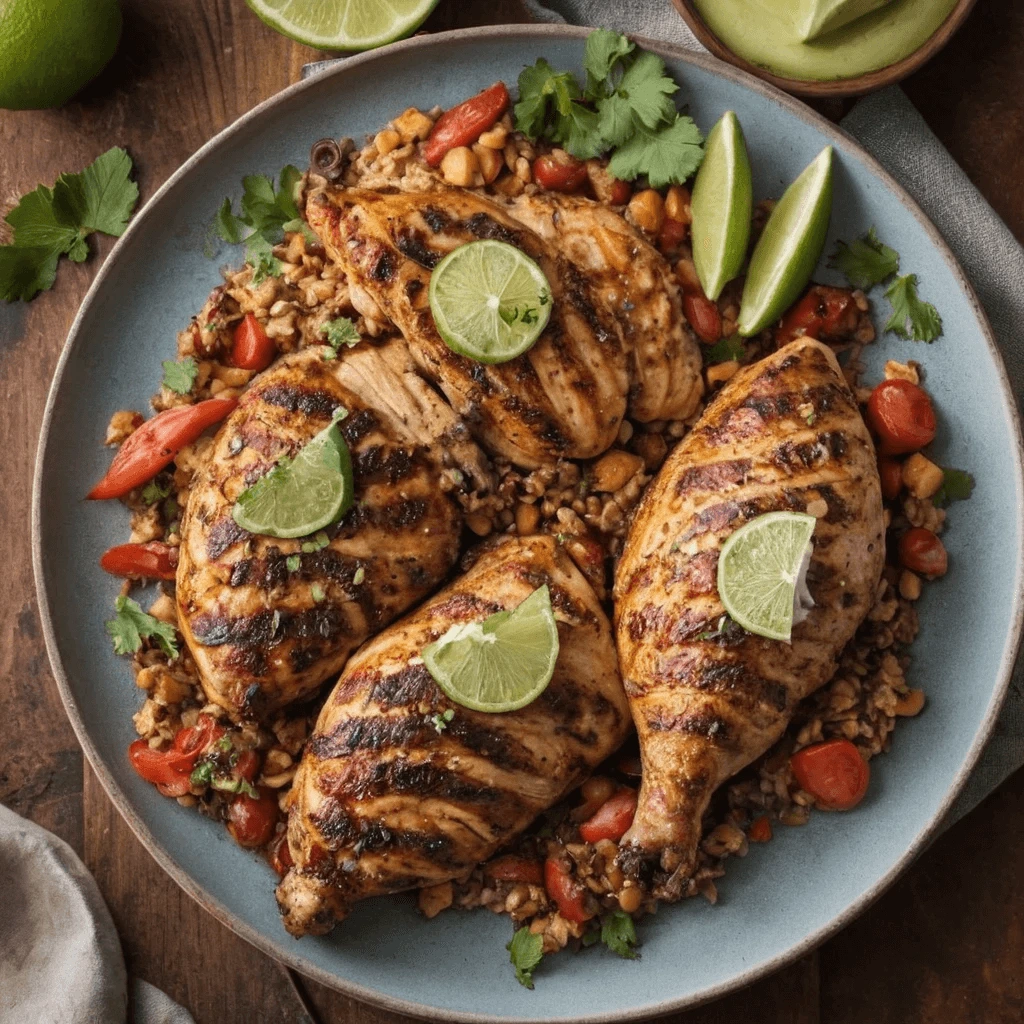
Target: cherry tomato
[
  {"x": 901, "y": 414},
  {"x": 671, "y": 234},
  {"x": 197, "y": 739},
  {"x": 621, "y": 192},
  {"x": 559, "y": 173},
  {"x": 251, "y": 820},
  {"x": 154, "y": 560},
  {"x": 248, "y": 765},
  {"x": 612, "y": 819},
  {"x": 833, "y": 773},
  {"x": 760, "y": 830},
  {"x": 281, "y": 856},
  {"x": 823, "y": 312},
  {"x": 156, "y": 442},
  {"x": 169, "y": 768},
  {"x": 703, "y": 316},
  {"x": 515, "y": 869},
  {"x": 921, "y": 551},
  {"x": 890, "y": 472},
  {"x": 566, "y": 894},
  {"x": 464, "y": 124},
  {"x": 251, "y": 348}
]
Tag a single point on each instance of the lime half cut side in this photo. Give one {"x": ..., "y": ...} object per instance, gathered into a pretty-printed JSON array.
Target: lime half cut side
[
  {"x": 721, "y": 207},
  {"x": 502, "y": 663},
  {"x": 343, "y": 24},
  {"x": 490, "y": 301},
  {"x": 301, "y": 495},
  {"x": 760, "y": 572}
]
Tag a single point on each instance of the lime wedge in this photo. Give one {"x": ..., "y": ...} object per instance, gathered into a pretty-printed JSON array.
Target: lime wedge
[
  {"x": 789, "y": 247},
  {"x": 502, "y": 663},
  {"x": 760, "y": 572},
  {"x": 824, "y": 16},
  {"x": 490, "y": 301},
  {"x": 301, "y": 495},
  {"x": 343, "y": 24},
  {"x": 723, "y": 200}
]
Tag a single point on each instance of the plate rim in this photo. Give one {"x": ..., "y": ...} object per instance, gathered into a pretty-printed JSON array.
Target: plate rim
[{"x": 540, "y": 33}]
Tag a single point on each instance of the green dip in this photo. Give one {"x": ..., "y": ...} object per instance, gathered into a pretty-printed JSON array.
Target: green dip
[{"x": 766, "y": 33}]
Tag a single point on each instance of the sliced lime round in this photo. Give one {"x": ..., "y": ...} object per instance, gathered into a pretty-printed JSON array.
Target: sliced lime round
[
  {"x": 721, "y": 206},
  {"x": 343, "y": 24},
  {"x": 760, "y": 570},
  {"x": 502, "y": 663},
  {"x": 490, "y": 301},
  {"x": 789, "y": 247},
  {"x": 301, "y": 495}
]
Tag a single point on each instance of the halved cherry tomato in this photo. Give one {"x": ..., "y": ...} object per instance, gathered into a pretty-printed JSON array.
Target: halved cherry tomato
[
  {"x": 161, "y": 767},
  {"x": 566, "y": 893},
  {"x": 281, "y": 855},
  {"x": 154, "y": 445},
  {"x": 515, "y": 869},
  {"x": 612, "y": 819},
  {"x": 464, "y": 124},
  {"x": 821, "y": 313},
  {"x": 197, "y": 739},
  {"x": 671, "y": 234},
  {"x": 251, "y": 349},
  {"x": 154, "y": 560},
  {"x": 251, "y": 820},
  {"x": 703, "y": 316},
  {"x": 562, "y": 173},
  {"x": 921, "y": 551},
  {"x": 621, "y": 191},
  {"x": 901, "y": 414},
  {"x": 833, "y": 773},
  {"x": 248, "y": 765},
  {"x": 890, "y": 472},
  {"x": 760, "y": 830}
]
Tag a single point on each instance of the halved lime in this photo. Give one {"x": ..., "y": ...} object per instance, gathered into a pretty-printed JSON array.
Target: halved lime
[
  {"x": 723, "y": 200},
  {"x": 760, "y": 570},
  {"x": 301, "y": 495},
  {"x": 789, "y": 247},
  {"x": 502, "y": 663},
  {"x": 490, "y": 301},
  {"x": 344, "y": 24}
]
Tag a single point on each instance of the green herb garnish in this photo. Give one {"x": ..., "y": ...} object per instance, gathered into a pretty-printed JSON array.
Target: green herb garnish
[
  {"x": 866, "y": 261},
  {"x": 293, "y": 563},
  {"x": 957, "y": 485},
  {"x": 440, "y": 721},
  {"x": 726, "y": 350},
  {"x": 618, "y": 933},
  {"x": 912, "y": 318},
  {"x": 154, "y": 492},
  {"x": 525, "y": 951},
  {"x": 340, "y": 332},
  {"x": 131, "y": 625},
  {"x": 180, "y": 376}
]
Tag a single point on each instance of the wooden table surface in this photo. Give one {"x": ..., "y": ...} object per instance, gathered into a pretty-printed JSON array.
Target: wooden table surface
[{"x": 944, "y": 945}]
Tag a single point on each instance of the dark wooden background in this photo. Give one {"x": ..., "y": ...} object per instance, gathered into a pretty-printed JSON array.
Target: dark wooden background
[{"x": 945, "y": 945}]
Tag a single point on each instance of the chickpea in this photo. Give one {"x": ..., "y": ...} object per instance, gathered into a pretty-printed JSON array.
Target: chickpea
[
  {"x": 677, "y": 204},
  {"x": 647, "y": 211},
  {"x": 490, "y": 160},
  {"x": 460, "y": 166}
]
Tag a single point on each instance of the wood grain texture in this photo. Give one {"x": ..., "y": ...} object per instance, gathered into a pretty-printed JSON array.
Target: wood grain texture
[{"x": 943, "y": 947}]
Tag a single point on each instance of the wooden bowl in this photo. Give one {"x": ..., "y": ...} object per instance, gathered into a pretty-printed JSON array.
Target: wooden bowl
[{"x": 837, "y": 88}]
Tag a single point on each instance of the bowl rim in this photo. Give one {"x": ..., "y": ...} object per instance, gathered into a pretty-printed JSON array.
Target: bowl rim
[
  {"x": 836, "y": 88},
  {"x": 296, "y": 961}
]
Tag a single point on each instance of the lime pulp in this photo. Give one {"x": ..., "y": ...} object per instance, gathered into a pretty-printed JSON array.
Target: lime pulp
[
  {"x": 502, "y": 663},
  {"x": 759, "y": 570},
  {"x": 490, "y": 301}
]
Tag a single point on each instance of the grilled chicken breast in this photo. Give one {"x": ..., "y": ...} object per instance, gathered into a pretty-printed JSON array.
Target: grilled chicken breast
[
  {"x": 385, "y": 800},
  {"x": 264, "y": 634},
  {"x": 632, "y": 282},
  {"x": 784, "y": 433},
  {"x": 564, "y": 398}
]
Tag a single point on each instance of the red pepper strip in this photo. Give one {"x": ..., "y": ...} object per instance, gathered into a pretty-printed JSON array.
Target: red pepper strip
[
  {"x": 156, "y": 442},
  {"x": 252, "y": 349},
  {"x": 822, "y": 313},
  {"x": 465, "y": 123},
  {"x": 565, "y": 892},
  {"x": 612, "y": 819},
  {"x": 154, "y": 560}
]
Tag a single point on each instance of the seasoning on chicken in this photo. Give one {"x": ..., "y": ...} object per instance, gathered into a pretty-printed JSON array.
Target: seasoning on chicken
[
  {"x": 391, "y": 794},
  {"x": 269, "y": 620},
  {"x": 707, "y": 697},
  {"x": 564, "y": 398}
]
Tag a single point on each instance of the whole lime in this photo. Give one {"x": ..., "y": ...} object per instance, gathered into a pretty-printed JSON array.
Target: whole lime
[{"x": 49, "y": 49}]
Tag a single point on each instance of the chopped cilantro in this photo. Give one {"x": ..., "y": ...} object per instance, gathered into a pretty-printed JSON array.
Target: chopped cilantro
[
  {"x": 340, "y": 332},
  {"x": 202, "y": 774},
  {"x": 358, "y": 576},
  {"x": 525, "y": 951},
  {"x": 317, "y": 592},
  {"x": 293, "y": 563},
  {"x": 866, "y": 261},
  {"x": 957, "y": 485},
  {"x": 911, "y": 316},
  {"x": 618, "y": 933},
  {"x": 180, "y": 376},
  {"x": 235, "y": 784},
  {"x": 50, "y": 223},
  {"x": 440, "y": 721},
  {"x": 154, "y": 492},
  {"x": 132, "y": 625},
  {"x": 320, "y": 540},
  {"x": 224, "y": 743},
  {"x": 725, "y": 350}
]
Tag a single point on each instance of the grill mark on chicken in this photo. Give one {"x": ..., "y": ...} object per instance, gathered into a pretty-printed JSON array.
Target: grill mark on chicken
[
  {"x": 809, "y": 454},
  {"x": 307, "y": 401},
  {"x": 744, "y": 688},
  {"x": 399, "y": 516},
  {"x": 482, "y": 226},
  {"x": 377, "y": 463},
  {"x": 384, "y": 267},
  {"x": 223, "y": 535},
  {"x": 411, "y": 245},
  {"x": 716, "y": 476},
  {"x": 437, "y": 220},
  {"x": 698, "y": 574},
  {"x": 371, "y": 836},
  {"x": 361, "y": 780},
  {"x": 709, "y": 726}
]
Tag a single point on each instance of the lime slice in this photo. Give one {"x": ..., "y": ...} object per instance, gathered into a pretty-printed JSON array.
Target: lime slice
[
  {"x": 301, "y": 495},
  {"x": 789, "y": 247},
  {"x": 723, "y": 199},
  {"x": 490, "y": 301},
  {"x": 760, "y": 571},
  {"x": 502, "y": 663},
  {"x": 343, "y": 24}
]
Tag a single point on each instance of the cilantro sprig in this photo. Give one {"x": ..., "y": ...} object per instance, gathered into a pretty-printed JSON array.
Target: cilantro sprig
[
  {"x": 50, "y": 223},
  {"x": 180, "y": 376},
  {"x": 866, "y": 261},
  {"x": 912, "y": 318},
  {"x": 525, "y": 951},
  {"x": 957, "y": 485},
  {"x": 131, "y": 625},
  {"x": 626, "y": 106},
  {"x": 340, "y": 332}
]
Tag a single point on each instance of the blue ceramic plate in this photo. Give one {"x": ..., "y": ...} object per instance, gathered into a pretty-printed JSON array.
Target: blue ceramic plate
[{"x": 783, "y": 898}]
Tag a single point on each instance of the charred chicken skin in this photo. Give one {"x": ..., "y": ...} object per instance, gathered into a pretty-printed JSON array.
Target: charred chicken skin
[{"x": 707, "y": 697}]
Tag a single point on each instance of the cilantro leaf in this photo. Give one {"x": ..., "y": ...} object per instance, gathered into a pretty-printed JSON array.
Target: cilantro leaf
[
  {"x": 525, "y": 951},
  {"x": 911, "y": 317},
  {"x": 180, "y": 377},
  {"x": 667, "y": 156},
  {"x": 131, "y": 625},
  {"x": 227, "y": 226},
  {"x": 725, "y": 350},
  {"x": 618, "y": 933},
  {"x": 578, "y": 131},
  {"x": 649, "y": 90},
  {"x": 259, "y": 254},
  {"x": 604, "y": 50},
  {"x": 866, "y": 261},
  {"x": 957, "y": 485},
  {"x": 154, "y": 492},
  {"x": 540, "y": 86},
  {"x": 341, "y": 332},
  {"x": 101, "y": 198}
]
